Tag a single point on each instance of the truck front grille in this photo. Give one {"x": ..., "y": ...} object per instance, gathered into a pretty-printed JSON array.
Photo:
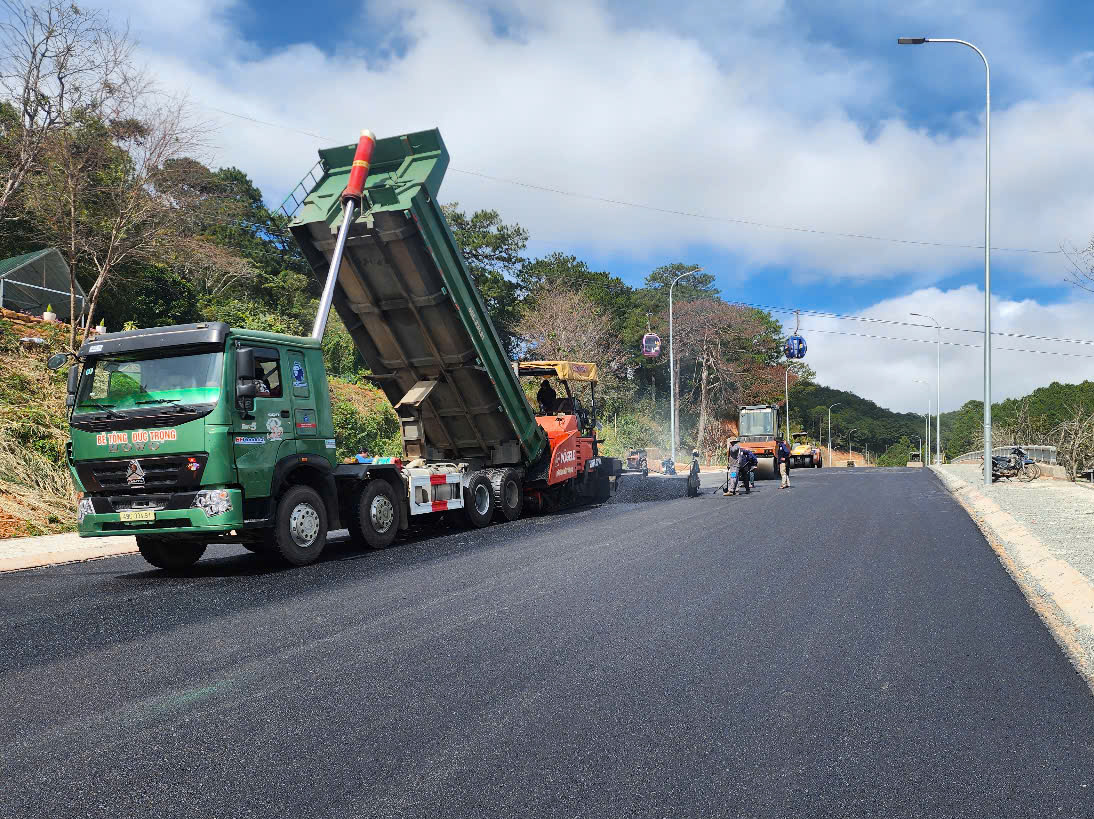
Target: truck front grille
[{"x": 139, "y": 476}]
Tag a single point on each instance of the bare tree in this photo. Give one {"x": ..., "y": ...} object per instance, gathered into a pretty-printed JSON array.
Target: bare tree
[
  {"x": 1082, "y": 265},
  {"x": 112, "y": 192},
  {"x": 719, "y": 338},
  {"x": 1075, "y": 441},
  {"x": 211, "y": 267},
  {"x": 58, "y": 64},
  {"x": 567, "y": 325}
]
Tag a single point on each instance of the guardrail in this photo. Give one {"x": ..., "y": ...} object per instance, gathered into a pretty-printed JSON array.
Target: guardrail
[{"x": 1041, "y": 453}]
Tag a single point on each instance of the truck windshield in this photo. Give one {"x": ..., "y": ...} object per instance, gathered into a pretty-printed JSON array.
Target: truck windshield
[
  {"x": 761, "y": 422},
  {"x": 128, "y": 383}
]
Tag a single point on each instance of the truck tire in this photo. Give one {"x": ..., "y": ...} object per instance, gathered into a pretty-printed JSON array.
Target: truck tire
[
  {"x": 300, "y": 526},
  {"x": 478, "y": 500},
  {"x": 172, "y": 554},
  {"x": 508, "y": 493},
  {"x": 374, "y": 518}
]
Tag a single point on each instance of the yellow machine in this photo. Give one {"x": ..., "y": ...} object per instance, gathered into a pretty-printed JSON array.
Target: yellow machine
[{"x": 803, "y": 453}]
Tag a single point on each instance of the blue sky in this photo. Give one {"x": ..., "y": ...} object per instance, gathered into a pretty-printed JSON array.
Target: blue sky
[{"x": 799, "y": 114}]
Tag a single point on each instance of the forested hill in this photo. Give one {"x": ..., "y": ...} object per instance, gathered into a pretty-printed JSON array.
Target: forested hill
[
  {"x": 872, "y": 424},
  {"x": 1042, "y": 417},
  {"x": 1060, "y": 415}
]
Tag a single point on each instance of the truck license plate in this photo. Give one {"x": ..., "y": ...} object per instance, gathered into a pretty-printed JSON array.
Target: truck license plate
[{"x": 137, "y": 514}]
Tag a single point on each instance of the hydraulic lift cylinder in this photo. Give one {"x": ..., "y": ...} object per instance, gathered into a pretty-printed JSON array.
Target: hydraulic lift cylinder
[{"x": 351, "y": 201}]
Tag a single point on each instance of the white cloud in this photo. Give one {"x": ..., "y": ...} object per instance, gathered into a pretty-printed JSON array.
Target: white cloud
[
  {"x": 885, "y": 371},
  {"x": 640, "y": 113},
  {"x": 727, "y": 113}
]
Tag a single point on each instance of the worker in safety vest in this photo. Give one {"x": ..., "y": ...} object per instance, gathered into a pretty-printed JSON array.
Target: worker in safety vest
[{"x": 782, "y": 455}]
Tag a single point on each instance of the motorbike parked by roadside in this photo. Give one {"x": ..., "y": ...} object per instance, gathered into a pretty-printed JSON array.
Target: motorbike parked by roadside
[{"x": 1015, "y": 465}]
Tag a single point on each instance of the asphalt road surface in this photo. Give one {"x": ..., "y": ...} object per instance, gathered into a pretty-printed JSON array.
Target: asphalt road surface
[{"x": 851, "y": 647}]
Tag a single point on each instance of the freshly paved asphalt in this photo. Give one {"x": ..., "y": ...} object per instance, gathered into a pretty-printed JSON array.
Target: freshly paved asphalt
[{"x": 851, "y": 647}]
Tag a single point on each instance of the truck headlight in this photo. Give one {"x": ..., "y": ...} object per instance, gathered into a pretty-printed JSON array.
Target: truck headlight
[
  {"x": 212, "y": 502},
  {"x": 83, "y": 509}
]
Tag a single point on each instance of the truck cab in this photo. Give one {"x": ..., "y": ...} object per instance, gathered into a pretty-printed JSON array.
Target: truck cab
[{"x": 195, "y": 430}]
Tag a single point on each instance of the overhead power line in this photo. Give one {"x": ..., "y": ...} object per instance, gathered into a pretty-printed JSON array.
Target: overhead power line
[
  {"x": 673, "y": 212},
  {"x": 900, "y": 323},
  {"x": 750, "y": 222},
  {"x": 757, "y": 224},
  {"x": 946, "y": 343},
  {"x": 622, "y": 286}
]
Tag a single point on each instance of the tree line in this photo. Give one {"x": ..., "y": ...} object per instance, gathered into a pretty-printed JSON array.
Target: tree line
[{"x": 97, "y": 162}]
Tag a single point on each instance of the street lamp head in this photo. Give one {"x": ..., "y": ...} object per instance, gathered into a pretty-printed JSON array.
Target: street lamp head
[{"x": 911, "y": 40}]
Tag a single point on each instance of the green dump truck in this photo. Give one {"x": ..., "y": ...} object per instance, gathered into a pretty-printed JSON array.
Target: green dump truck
[{"x": 188, "y": 434}]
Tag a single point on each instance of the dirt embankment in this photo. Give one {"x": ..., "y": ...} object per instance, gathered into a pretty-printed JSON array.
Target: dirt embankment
[
  {"x": 840, "y": 457},
  {"x": 36, "y": 494}
]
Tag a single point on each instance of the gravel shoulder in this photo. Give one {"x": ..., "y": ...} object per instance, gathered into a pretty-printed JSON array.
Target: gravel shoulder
[{"x": 1043, "y": 532}]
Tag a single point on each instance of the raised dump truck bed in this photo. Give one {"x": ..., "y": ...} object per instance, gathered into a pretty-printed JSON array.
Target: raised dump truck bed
[{"x": 411, "y": 306}]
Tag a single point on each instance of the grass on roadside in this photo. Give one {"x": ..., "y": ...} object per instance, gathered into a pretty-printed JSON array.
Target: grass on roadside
[{"x": 36, "y": 492}]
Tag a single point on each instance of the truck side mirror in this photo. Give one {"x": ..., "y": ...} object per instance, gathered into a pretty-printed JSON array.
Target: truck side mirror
[
  {"x": 57, "y": 361},
  {"x": 73, "y": 378},
  {"x": 245, "y": 363},
  {"x": 245, "y": 385}
]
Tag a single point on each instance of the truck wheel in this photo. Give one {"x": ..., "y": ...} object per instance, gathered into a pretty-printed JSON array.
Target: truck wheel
[
  {"x": 374, "y": 519},
  {"x": 167, "y": 553},
  {"x": 508, "y": 493},
  {"x": 300, "y": 526},
  {"x": 478, "y": 500}
]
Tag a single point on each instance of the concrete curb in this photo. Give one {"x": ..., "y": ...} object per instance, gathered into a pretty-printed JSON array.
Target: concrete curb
[
  {"x": 1060, "y": 594},
  {"x": 32, "y": 552}
]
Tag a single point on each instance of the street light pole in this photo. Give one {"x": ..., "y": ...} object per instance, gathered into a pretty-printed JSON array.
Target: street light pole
[
  {"x": 937, "y": 386},
  {"x": 830, "y": 432},
  {"x": 672, "y": 375},
  {"x": 987, "y": 238},
  {"x": 786, "y": 379},
  {"x": 850, "y": 453},
  {"x": 927, "y": 421}
]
